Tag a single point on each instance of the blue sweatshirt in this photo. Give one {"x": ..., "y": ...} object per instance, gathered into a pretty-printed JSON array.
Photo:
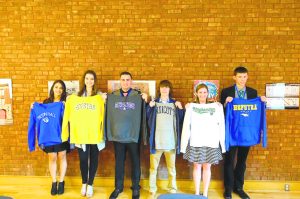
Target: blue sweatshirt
[
  {"x": 245, "y": 123},
  {"x": 45, "y": 124}
]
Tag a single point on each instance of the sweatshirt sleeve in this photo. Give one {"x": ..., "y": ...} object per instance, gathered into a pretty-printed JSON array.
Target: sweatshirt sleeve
[
  {"x": 186, "y": 130},
  {"x": 32, "y": 131},
  {"x": 102, "y": 115},
  {"x": 144, "y": 123},
  {"x": 222, "y": 127},
  {"x": 149, "y": 115},
  {"x": 228, "y": 125},
  {"x": 65, "y": 124},
  {"x": 264, "y": 125}
]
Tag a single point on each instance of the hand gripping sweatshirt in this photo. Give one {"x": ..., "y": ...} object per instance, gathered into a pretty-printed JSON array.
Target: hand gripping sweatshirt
[
  {"x": 246, "y": 122},
  {"x": 203, "y": 125},
  {"x": 45, "y": 124},
  {"x": 85, "y": 116}
]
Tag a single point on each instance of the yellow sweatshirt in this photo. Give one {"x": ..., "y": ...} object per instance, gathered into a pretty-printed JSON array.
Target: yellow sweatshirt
[{"x": 85, "y": 115}]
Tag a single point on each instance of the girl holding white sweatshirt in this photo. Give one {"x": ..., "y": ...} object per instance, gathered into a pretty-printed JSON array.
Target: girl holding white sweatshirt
[{"x": 203, "y": 137}]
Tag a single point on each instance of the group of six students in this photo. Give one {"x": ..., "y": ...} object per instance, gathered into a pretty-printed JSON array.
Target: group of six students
[{"x": 164, "y": 118}]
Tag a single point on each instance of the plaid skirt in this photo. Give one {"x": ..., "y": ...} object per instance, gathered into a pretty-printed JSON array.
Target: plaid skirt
[{"x": 202, "y": 155}]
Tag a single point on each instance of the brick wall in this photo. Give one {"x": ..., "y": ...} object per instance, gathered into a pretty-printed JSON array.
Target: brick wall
[{"x": 44, "y": 40}]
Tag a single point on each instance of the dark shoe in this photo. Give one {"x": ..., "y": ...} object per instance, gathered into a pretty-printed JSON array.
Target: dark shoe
[
  {"x": 54, "y": 188},
  {"x": 61, "y": 188},
  {"x": 115, "y": 193},
  {"x": 241, "y": 193},
  {"x": 135, "y": 194},
  {"x": 227, "y": 195}
]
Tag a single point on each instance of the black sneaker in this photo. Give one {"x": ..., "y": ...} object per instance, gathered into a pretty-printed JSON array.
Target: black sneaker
[
  {"x": 227, "y": 195},
  {"x": 61, "y": 188},
  {"x": 115, "y": 193},
  {"x": 241, "y": 193},
  {"x": 54, "y": 188},
  {"x": 135, "y": 194}
]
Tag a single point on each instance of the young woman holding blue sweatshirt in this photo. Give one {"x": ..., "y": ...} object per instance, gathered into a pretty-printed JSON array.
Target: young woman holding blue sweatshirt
[{"x": 45, "y": 117}]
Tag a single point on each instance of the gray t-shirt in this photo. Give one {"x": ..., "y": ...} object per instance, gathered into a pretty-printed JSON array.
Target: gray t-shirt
[{"x": 165, "y": 138}]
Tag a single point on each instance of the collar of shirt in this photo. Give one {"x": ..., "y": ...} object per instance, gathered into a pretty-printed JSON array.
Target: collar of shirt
[
  {"x": 164, "y": 101},
  {"x": 128, "y": 92},
  {"x": 240, "y": 93}
]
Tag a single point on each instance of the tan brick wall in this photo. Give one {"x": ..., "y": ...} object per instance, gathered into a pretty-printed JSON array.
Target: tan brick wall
[{"x": 178, "y": 40}]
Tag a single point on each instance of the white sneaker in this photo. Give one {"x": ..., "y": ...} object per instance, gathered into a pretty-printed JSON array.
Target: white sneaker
[
  {"x": 172, "y": 191},
  {"x": 83, "y": 190},
  {"x": 89, "y": 191}
]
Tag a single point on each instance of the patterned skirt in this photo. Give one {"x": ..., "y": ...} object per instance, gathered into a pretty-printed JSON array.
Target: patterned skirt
[{"x": 202, "y": 155}]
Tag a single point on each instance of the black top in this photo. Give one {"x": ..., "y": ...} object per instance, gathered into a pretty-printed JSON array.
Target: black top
[{"x": 230, "y": 92}]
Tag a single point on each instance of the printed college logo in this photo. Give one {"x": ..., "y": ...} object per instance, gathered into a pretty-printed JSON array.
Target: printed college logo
[
  {"x": 45, "y": 116},
  {"x": 165, "y": 110},
  {"x": 211, "y": 111},
  {"x": 46, "y": 119},
  {"x": 245, "y": 109},
  {"x": 124, "y": 106},
  {"x": 86, "y": 106}
]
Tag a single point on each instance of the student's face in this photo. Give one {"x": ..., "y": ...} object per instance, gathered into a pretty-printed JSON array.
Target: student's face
[
  {"x": 241, "y": 79},
  {"x": 164, "y": 91},
  {"x": 57, "y": 89},
  {"x": 125, "y": 82},
  {"x": 202, "y": 94},
  {"x": 89, "y": 80}
]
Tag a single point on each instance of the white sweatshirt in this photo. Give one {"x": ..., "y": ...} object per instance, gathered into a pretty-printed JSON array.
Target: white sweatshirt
[{"x": 203, "y": 126}]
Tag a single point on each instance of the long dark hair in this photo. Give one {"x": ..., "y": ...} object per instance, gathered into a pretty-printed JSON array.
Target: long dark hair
[
  {"x": 198, "y": 88},
  {"x": 63, "y": 96},
  {"x": 83, "y": 86}
]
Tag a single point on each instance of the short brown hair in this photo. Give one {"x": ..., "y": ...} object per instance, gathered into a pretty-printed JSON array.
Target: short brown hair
[
  {"x": 240, "y": 69},
  {"x": 168, "y": 84},
  {"x": 126, "y": 73}
]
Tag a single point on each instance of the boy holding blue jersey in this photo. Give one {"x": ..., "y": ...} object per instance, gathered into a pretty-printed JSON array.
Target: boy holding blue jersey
[{"x": 234, "y": 176}]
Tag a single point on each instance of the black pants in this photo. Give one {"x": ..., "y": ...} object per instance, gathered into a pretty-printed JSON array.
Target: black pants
[
  {"x": 120, "y": 156},
  {"x": 88, "y": 163},
  {"x": 234, "y": 176}
]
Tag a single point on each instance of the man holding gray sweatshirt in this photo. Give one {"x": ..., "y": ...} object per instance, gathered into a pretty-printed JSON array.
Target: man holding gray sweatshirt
[{"x": 125, "y": 122}]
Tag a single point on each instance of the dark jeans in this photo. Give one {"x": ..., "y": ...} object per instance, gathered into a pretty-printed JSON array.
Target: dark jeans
[
  {"x": 88, "y": 163},
  {"x": 120, "y": 156},
  {"x": 234, "y": 176}
]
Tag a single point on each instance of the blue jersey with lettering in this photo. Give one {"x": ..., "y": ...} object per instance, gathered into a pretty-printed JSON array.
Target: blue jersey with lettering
[
  {"x": 45, "y": 124},
  {"x": 245, "y": 123}
]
